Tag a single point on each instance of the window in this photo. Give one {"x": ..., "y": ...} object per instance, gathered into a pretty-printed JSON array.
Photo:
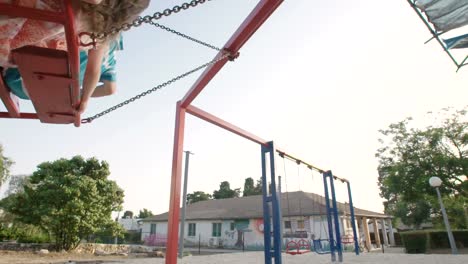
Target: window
[
  {"x": 192, "y": 229},
  {"x": 300, "y": 224},
  {"x": 233, "y": 226},
  {"x": 153, "y": 229},
  {"x": 216, "y": 231},
  {"x": 287, "y": 224}
]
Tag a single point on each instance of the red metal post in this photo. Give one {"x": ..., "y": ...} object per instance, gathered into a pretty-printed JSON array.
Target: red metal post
[
  {"x": 174, "y": 203},
  {"x": 73, "y": 57},
  {"x": 255, "y": 19}
]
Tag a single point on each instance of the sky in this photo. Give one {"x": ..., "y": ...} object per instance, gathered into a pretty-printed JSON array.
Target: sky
[{"x": 319, "y": 78}]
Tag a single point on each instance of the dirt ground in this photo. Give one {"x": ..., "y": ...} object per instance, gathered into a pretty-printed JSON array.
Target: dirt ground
[
  {"x": 391, "y": 256},
  {"x": 14, "y": 257}
]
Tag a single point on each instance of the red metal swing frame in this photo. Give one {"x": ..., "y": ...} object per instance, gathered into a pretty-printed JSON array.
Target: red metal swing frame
[{"x": 50, "y": 76}]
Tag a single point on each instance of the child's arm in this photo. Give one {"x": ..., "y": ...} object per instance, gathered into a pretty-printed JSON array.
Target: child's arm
[
  {"x": 107, "y": 88},
  {"x": 92, "y": 75}
]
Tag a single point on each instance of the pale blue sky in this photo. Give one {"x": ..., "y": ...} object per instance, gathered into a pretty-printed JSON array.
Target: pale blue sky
[{"x": 320, "y": 78}]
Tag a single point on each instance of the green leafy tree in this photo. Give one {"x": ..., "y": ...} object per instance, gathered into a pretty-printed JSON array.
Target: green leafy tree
[
  {"x": 68, "y": 199},
  {"x": 225, "y": 191},
  {"x": 5, "y": 164},
  {"x": 198, "y": 196},
  {"x": 128, "y": 214},
  {"x": 250, "y": 188},
  {"x": 16, "y": 184},
  {"x": 409, "y": 156},
  {"x": 145, "y": 213}
]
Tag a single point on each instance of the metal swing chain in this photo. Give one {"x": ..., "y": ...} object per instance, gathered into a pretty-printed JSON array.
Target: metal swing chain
[
  {"x": 154, "y": 89},
  {"x": 168, "y": 29},
  {"x": 138, "y": 22}
]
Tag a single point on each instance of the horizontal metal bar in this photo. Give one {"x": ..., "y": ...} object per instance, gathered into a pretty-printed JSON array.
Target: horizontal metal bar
[
  {"x": 195, "y": 111},
  {"x": 309, "y": 166},
  {"x": 32, "y": 13},
  {"x": 22, "y": 115}
]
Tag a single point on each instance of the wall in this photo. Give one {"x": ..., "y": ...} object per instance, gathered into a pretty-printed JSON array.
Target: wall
[{"x": 247, "y": 232}]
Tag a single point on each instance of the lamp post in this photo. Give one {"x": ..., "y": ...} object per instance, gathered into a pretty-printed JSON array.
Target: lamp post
[
  {"x": 184, "y": 203},
  {"x": 436, "y": 182}
]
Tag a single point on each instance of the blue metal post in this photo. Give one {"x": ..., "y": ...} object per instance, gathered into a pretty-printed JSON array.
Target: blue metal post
[
  {"x": 329, "y": 217},
  {"x": 266, "y": 210},
  {"x": 336, "y": 217},
  {"x": 353, "y": 222},
  {"x": 276, "y": 208}
]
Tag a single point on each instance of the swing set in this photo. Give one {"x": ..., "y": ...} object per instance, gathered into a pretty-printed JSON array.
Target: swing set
[
  {"x": 51, "y": 78},
  {"x": 335, "y": 242}
]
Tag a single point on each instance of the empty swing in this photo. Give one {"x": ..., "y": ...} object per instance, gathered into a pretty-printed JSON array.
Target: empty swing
[
  {"x": 303, "y": 245},
  {"x": 317, "y": 243}
]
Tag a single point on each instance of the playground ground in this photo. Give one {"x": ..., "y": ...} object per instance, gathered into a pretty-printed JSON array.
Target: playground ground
[{"x": 391, "y": 256}]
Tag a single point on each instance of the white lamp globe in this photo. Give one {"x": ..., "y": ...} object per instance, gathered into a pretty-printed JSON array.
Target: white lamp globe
[{"x": 435, "y": 181}]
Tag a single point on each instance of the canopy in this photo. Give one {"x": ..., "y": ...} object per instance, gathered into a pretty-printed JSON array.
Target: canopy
[
  {"x": 445, "y": 15},
  {"x": 459, "y": 42}
]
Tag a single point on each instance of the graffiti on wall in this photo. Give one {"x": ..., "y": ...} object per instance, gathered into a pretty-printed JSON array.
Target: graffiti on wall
[
  {"x": 259, "y": 225},
  {"x": 156, "y": 240}
]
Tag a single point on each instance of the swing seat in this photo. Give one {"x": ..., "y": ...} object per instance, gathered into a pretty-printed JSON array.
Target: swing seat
[
  {"x": 297, "y": 248},
  {"x": 318, "y": 247},
  {"x": 46, "y": 78}
]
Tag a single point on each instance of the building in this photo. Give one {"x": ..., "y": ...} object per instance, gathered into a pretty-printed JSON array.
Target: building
[
  {"x": 130, "y": 224},
  {"x": 238, "y": 222}
]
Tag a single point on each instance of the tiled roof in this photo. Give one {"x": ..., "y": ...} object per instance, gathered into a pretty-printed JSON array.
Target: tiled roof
[{"x": 300, "y": 204}]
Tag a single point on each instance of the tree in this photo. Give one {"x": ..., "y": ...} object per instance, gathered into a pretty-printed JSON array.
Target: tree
[
  {"x": 225, "y": 191},
  {"x": 250, "y": 188},
  {"x": 5, "y": 164},
  {"x": 145, "y": 213},
  {"x": 69, "y": 199},
  {"x": 409, "y": 156},
  {"x": 127, "y": 214},
  {"x": 197, "y": 196},
  {"x": 16, "y": 184}
]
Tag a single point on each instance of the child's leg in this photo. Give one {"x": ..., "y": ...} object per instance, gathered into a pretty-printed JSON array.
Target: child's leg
[{"x": 107, "y": 88}]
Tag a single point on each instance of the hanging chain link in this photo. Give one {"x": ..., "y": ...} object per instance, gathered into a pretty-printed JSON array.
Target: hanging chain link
[
  {"x": 154, "y": 89},
  {"x": 138, "y": 22},
  {"x": 168, "y": 29}
]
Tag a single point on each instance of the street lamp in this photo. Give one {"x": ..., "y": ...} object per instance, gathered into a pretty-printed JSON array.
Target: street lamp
[{"x": 436, "y": 182}]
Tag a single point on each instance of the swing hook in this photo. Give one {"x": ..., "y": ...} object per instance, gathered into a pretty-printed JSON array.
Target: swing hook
[
  {"x": 232, "y": 55},
  {"x": 91, "y": 36}
]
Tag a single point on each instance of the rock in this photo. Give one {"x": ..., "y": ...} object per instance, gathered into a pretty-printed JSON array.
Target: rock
[
  {"x": 156, "y": 254},
  {"x": 99, "y": 252},
  {"x": 140, "y": 249},
  {"x": 43, "y": 252}
]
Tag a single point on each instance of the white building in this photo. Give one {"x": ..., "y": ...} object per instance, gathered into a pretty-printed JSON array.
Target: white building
[{"x": 238, "y": 222}]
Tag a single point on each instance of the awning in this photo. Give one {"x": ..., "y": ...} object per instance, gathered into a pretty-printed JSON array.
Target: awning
[
  {"x": 445, "y": 15},
  {"x": 459, "y": 42}
]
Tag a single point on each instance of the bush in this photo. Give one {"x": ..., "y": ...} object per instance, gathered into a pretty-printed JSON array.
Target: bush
[
  {"x": 24, "y": 234},
  {"x": 421, "y": 241},
  {"x": 461, "y": 237},
  {"x": 415, "y": 242},
  {"x": 439, "y": 238}
]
